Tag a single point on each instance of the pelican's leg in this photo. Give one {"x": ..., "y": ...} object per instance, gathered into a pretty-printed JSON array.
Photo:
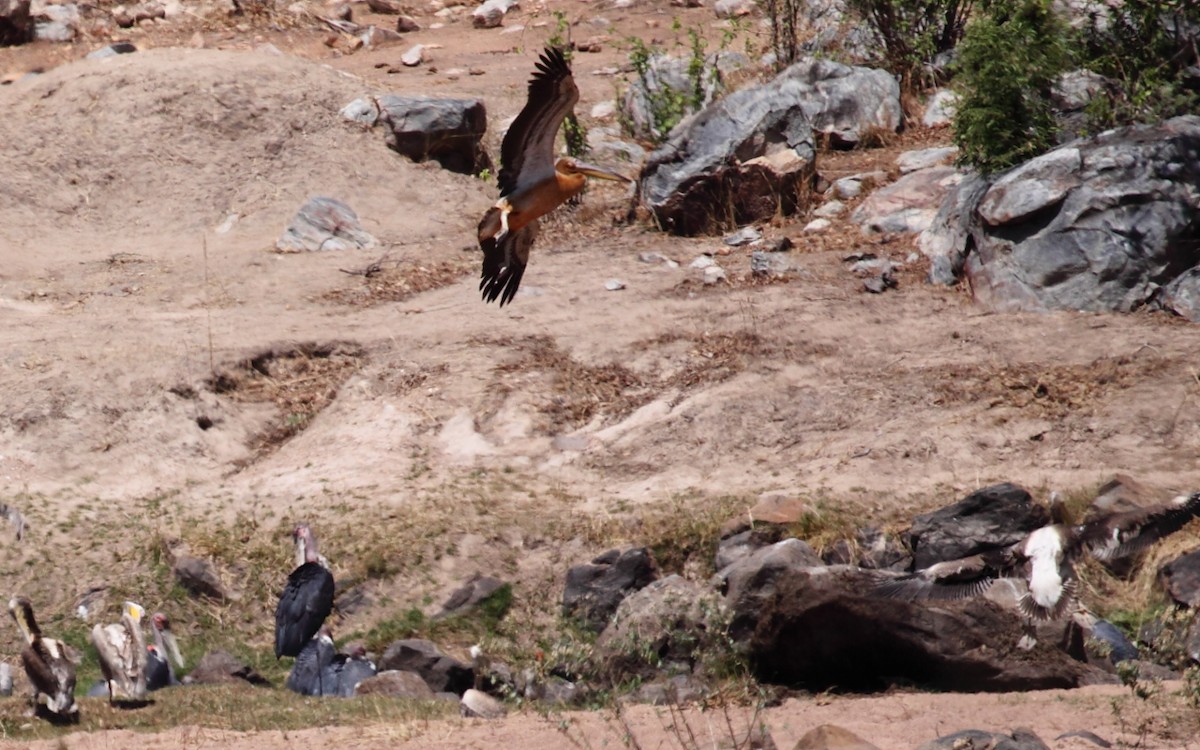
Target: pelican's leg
[{"x": 505, "y": 209}]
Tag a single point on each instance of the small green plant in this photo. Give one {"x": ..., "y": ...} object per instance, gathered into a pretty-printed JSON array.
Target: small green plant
[
  {"x": 1008, "y": 64},
  {"x": 666, "y": 104},
  {"x": 1143, "y": 48},
  {"x": 561, "y": 36}
]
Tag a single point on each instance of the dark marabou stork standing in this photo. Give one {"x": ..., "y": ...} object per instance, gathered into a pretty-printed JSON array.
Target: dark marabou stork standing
[
  {"x": 159, "y": 672},
  {"x": 123, "y": 656},
  {"x": 310, "y": 674},
  {"x": 1045, "y": 559},
  {"x": 532, "y": 182},
  {"x": 307, "y": 599},
  {"x": 49, "y": 663}
]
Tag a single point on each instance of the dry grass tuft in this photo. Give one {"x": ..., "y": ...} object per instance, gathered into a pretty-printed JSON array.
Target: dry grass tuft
[
  {"x": 383, "y": 282},
  {"x": 1054, "y": 390},
  {"x": 300, "y": 380}
]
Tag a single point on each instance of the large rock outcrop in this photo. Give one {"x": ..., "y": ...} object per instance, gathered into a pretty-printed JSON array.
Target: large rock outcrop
[
  {"x": 751, "y": 155},
  {"x": 1110, "y": 223},
  {"x": 822, "y": 629},
  {"x": 989, "y": 518}
]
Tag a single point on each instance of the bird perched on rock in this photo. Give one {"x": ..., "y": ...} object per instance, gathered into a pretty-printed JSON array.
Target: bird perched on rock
[
  {"x": 307, "y": 599},
  {"x": 532, "y": 182},
  {"x": 49, "y": 664},
  {"x": 122, "y": 651},
  {"x": 1045, "y": 559}
]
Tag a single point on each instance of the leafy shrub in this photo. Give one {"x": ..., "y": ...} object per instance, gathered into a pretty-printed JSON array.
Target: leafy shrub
[
  {"x": 1143, "y": 47},
  {"x": 666, "y": 104},
  {"x": 1008, "y": 63},
  {"x": 912, "y": 32}
]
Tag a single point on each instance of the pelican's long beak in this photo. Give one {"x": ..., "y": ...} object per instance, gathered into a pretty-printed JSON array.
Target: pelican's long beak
[
  {"x": 172, "y": 648},
  {"x": 135, "y": 611},
  {"x": 600, "y": 173}
]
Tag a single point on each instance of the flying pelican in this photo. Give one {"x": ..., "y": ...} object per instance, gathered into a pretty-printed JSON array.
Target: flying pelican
[
  {"x": 306, "y": 600},
  {"x": 532, "y": 183},
  {"x": 159, "y": 672},
  {"x": 122, "y": 651},
  {"x": 1045, "y": 559},
  {"x": 50, "y": 664}
]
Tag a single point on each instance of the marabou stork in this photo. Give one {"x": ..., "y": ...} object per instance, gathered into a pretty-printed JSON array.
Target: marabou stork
[
  {"x": 49, "y": 663},
  {"x": 347, "y": 670},
  {"x": 532, "y": 182},
  {"x": 1045, "y": 559},
  {"x": 159, "y": 672},
  {"x": 307, "y": 599},
  {"x": 123, "y": 656}
]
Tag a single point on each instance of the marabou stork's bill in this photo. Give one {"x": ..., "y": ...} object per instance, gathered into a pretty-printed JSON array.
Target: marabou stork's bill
[
  {"x": 159, "y": 672},
  {"x": 1045, "y": 559},
  {"x": 123, "y": 656},
  {"x": 532, "y": 182},
  {"x": 49, "y": 663},
  {"x": 306, "y": 600}
]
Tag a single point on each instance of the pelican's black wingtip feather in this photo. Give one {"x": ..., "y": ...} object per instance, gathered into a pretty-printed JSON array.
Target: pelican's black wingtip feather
[{"x": 552, "y": 64}]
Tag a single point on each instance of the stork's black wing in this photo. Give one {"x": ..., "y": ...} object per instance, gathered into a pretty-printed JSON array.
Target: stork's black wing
[
  {"x": 504, "y": 262},
  {"x": 305, "y": 603},
  {"x": 528, "y": 146},
  {"x": 952, "y": 579}
]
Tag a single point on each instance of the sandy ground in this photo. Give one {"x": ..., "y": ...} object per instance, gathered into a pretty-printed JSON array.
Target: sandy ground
[{"x": 139, "y": 204}]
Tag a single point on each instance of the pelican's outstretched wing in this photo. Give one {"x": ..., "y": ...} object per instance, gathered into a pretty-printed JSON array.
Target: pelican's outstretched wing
[
  {"x": 1122, "y": 534},
  {"x": 953, "y": 579},
  {"x": 504, "y": 262},
  {"x": 528, "y": 147}
]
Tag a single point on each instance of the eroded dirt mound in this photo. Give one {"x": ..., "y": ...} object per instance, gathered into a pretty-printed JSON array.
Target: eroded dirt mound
[{"x": 181, "y": 138}]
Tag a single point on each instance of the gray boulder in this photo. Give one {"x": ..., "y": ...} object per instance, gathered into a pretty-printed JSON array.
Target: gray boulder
[
  {"x": 820, "y": 630},
  {"x": 1181, "y": 578},
  {"x": 491, "y": 13},
  {"x": 664, "y": 627},
  {"x": 992, "y": 517},
  {"x": 593, "y": 592},
  {"x": 977, "y": 739},
  {"x": 940, "y": 109},
  {"x": 909, "y": 204},
  {"x": 324, "y": 224},
  {"x": 667, "y": 78},
  {"x": 441, "y": 673},
  {"x": 1104, "y": 224},
  {"x": 749, "y": 582},
  {"x": 448, "y": 131},
  {"x": 199, "y": 578},
  {"x": 742, "y": 159},
  {"x": 477, "y": 590},
  {"x": 16, "y": 26},
  {"x": 396, "y": 684}
]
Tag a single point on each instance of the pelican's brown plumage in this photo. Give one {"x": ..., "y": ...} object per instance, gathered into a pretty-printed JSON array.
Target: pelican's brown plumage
[
  {"x": 1045, "y": 558},
  {"x": 532, "y": 182},
  {"x": 49, "y": 664},
  {"x": 121, "y": 647}
]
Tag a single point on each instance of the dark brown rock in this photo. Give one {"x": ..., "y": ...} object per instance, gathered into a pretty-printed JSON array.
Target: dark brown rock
[
  {"x": 16, "y": 27},
  {"x": 396, "y": 684},
  {"x": 992, "y": 517},
  {"x": 593, "y": 592},
  {"x": 819, "y": 631},
  {"x": 217, "y": 667},
  {"x": 440, "y": 672}
]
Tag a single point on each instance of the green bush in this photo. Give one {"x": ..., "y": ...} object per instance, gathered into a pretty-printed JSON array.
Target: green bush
[
  {"x": 910, "y": 33},
  {"x": 1008, "y": 63},
  {"x": 1143, "y": 47}
]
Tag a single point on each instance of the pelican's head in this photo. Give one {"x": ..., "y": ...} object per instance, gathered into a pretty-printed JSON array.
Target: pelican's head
[
  {"x": 567, "y": 165},
  {"x": 135, "y": 611}
]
